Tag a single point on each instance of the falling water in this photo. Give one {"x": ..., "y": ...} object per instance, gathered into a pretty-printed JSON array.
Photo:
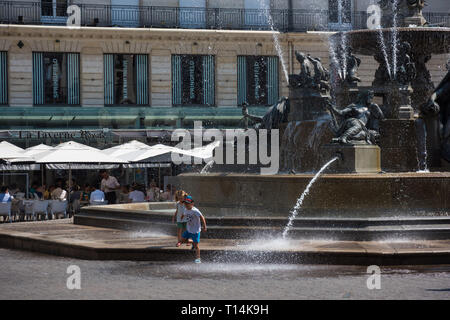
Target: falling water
[
  {"x": 394, "y": 39},
  {"x": 335, "y": 59},
  {"x": 384, "y": 51},
  {"x": 422, "y": 136},
  {"x": 207, "y": 167},
  {"x": 425, "y": 169},
  {"x": 344, "y": 46},
  {"x": 276, "y": 41},
  {"x": 344, "y": 41},
  {"x": 299, "y": 203}
]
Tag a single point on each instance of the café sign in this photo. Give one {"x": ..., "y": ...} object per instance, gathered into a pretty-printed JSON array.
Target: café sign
[{"x": 60, "y": 135}]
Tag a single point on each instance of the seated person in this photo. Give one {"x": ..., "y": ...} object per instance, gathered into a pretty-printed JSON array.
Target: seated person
[
  {"x": 13, "y": 189},
  {"x": 123, "y": 195},
  {"x": 75, "y": 194},
  {"x": 136, "y": 195},
  {"x": 153, "y": 192},
  {"x": 5, "y": 197},
  {"x": 59, "y": 194},
  {"x": 85, "y": 195},
  {"x": 167, "y": 196},
  {"x": 40, "y": 191},
  {"x": 36, "y": 191},
  {"x": 97, "y": 195}
]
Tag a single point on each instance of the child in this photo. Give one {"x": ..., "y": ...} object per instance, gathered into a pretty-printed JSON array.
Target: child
[
  {"x": 181, "y": 223},
  {"x": 193, "y": 217}
]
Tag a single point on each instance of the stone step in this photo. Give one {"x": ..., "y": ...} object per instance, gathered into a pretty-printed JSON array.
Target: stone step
[
  {"x": 356, "y": 233},
  {"x": 166, "y": 216}
]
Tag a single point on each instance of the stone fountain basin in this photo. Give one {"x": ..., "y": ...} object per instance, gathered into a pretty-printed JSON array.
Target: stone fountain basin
[
  {"x": 423, "y": 40},
  {"x": 356, "y": 207},
  {"x": 336, "y": 195}
]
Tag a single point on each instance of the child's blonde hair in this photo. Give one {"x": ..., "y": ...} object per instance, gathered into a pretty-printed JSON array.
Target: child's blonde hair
[{"x": 180, "y": 194}]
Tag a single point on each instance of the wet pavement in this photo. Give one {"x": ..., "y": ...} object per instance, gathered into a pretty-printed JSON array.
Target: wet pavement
[
  {"x": 64, "y": 233},
  {"x": 27, "y": 275},
  {"x": 32, "y": 275}
]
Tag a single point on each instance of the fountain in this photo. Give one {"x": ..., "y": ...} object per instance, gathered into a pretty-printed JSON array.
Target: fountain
[{"x": 353, "y": 162}]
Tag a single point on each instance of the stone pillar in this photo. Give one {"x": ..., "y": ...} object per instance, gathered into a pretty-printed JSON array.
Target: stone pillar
[
  {"x": 20, "y": 75},
  {"x": 91, "y": 75},
  {"x": 397, "y": 102},
  {"x": 398, "y": 143},
  {"x": 306, "y": 104}
]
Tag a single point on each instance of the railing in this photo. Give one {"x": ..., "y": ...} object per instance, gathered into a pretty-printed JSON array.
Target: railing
[{"x": 15, "y": 12}]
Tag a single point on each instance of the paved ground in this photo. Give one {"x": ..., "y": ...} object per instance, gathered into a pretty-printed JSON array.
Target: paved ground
[
  {"x": 27, "y": 275},
  {"x": 64, "y": 233}
]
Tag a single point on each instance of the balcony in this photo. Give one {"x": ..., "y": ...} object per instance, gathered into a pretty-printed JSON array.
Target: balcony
[{"x": 35, "y": 13}]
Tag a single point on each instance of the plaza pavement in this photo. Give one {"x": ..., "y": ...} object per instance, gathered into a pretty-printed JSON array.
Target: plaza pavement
[{"x": 63, "y": 238}]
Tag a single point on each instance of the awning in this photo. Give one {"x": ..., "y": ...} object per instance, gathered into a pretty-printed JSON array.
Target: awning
[
  {"x": 147, "y": 165},
  {"x": 80, "y": 166},
  {"x": 19, "y": 167}
]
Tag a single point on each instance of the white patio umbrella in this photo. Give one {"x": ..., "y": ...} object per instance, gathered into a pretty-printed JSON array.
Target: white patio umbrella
[
  {"x": 40, "y": 148},
  {"x": 7, "y": 145},
  {"x": 70, "y": 155},
  {"x": 144, "y": 155},
  {"x": 35, "y": 151},
  {"x": 9, "y": 151},
  {"x": 75, "y": 153},
  {"x": 121, "y": 150}
]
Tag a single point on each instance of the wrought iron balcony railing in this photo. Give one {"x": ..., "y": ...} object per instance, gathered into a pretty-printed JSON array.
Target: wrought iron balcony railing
[{"x": 45, "y": 13}]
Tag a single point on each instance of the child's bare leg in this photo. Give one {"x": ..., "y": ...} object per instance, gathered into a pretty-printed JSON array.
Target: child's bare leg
[
  {"x": 179, "y": 234},
  {"x": 183, "y": 240},
  {"x": 197, "y": 250}
]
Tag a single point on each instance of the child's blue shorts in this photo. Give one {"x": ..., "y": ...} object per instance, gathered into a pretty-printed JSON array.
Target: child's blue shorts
[{"x": 194, "y": 236}]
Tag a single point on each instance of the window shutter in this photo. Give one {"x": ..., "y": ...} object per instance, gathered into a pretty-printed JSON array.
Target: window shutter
[
  {"x": 272, "y": 80},
  {"x": 3, "y": 78},
  {"x": 176, "y": 80},
  {"x": 208, "y": 80},
  {"x": 142, "y": 79},
  {"x": 73, "y": 78},
  {"x": 108, "y": 67},
  {"x": 38, "y": 78},
  {"x": 242, "y": 80}
]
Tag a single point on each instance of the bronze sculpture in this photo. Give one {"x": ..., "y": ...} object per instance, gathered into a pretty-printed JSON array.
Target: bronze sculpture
[
  {"x": 352, "y": 64},
  {"x": 439, "y": 105},
  {"x": 312, "y": 75},
  {"x": 276, "y": 115},
  {"x": 360, "y": 120}
]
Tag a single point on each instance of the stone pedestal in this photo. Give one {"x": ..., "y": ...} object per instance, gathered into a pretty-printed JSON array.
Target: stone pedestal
[
  {"x": 397, "y": 100},
  {"x": 416, "y": 20},
  {"x": 307, "y": 104},
  {"x": 398, "y": 143},
  {"x": 346, "y": 95},
  {"x": 357, "y": 158}
]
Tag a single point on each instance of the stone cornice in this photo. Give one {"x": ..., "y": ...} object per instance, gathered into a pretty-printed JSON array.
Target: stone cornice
[{"x": 151, "y": 34}]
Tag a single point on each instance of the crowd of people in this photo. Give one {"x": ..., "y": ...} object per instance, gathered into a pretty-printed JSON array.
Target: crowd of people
[
  {"x": 189, "y": 220},
  {"x": 108, "y": 190}
]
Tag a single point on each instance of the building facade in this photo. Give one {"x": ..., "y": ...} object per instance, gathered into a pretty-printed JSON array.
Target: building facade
[{"x": 143, "y": 68}]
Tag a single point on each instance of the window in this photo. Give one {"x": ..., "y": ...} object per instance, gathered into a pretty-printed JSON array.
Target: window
[
  {"x": 193, "y": 80},
  {"x": 126, "y": 79},
  {"x": 125, "y": 13},
  {"x": 257, "y": 13},
  {"x": 56, "y": 78},
  {"x": 3, "y": 78},
  {"x": 257, "y": 80},
  {"x": 53, "y": 11},
  {"x": 192, "y": 13},
  {"x": 339, "y": 12}
]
